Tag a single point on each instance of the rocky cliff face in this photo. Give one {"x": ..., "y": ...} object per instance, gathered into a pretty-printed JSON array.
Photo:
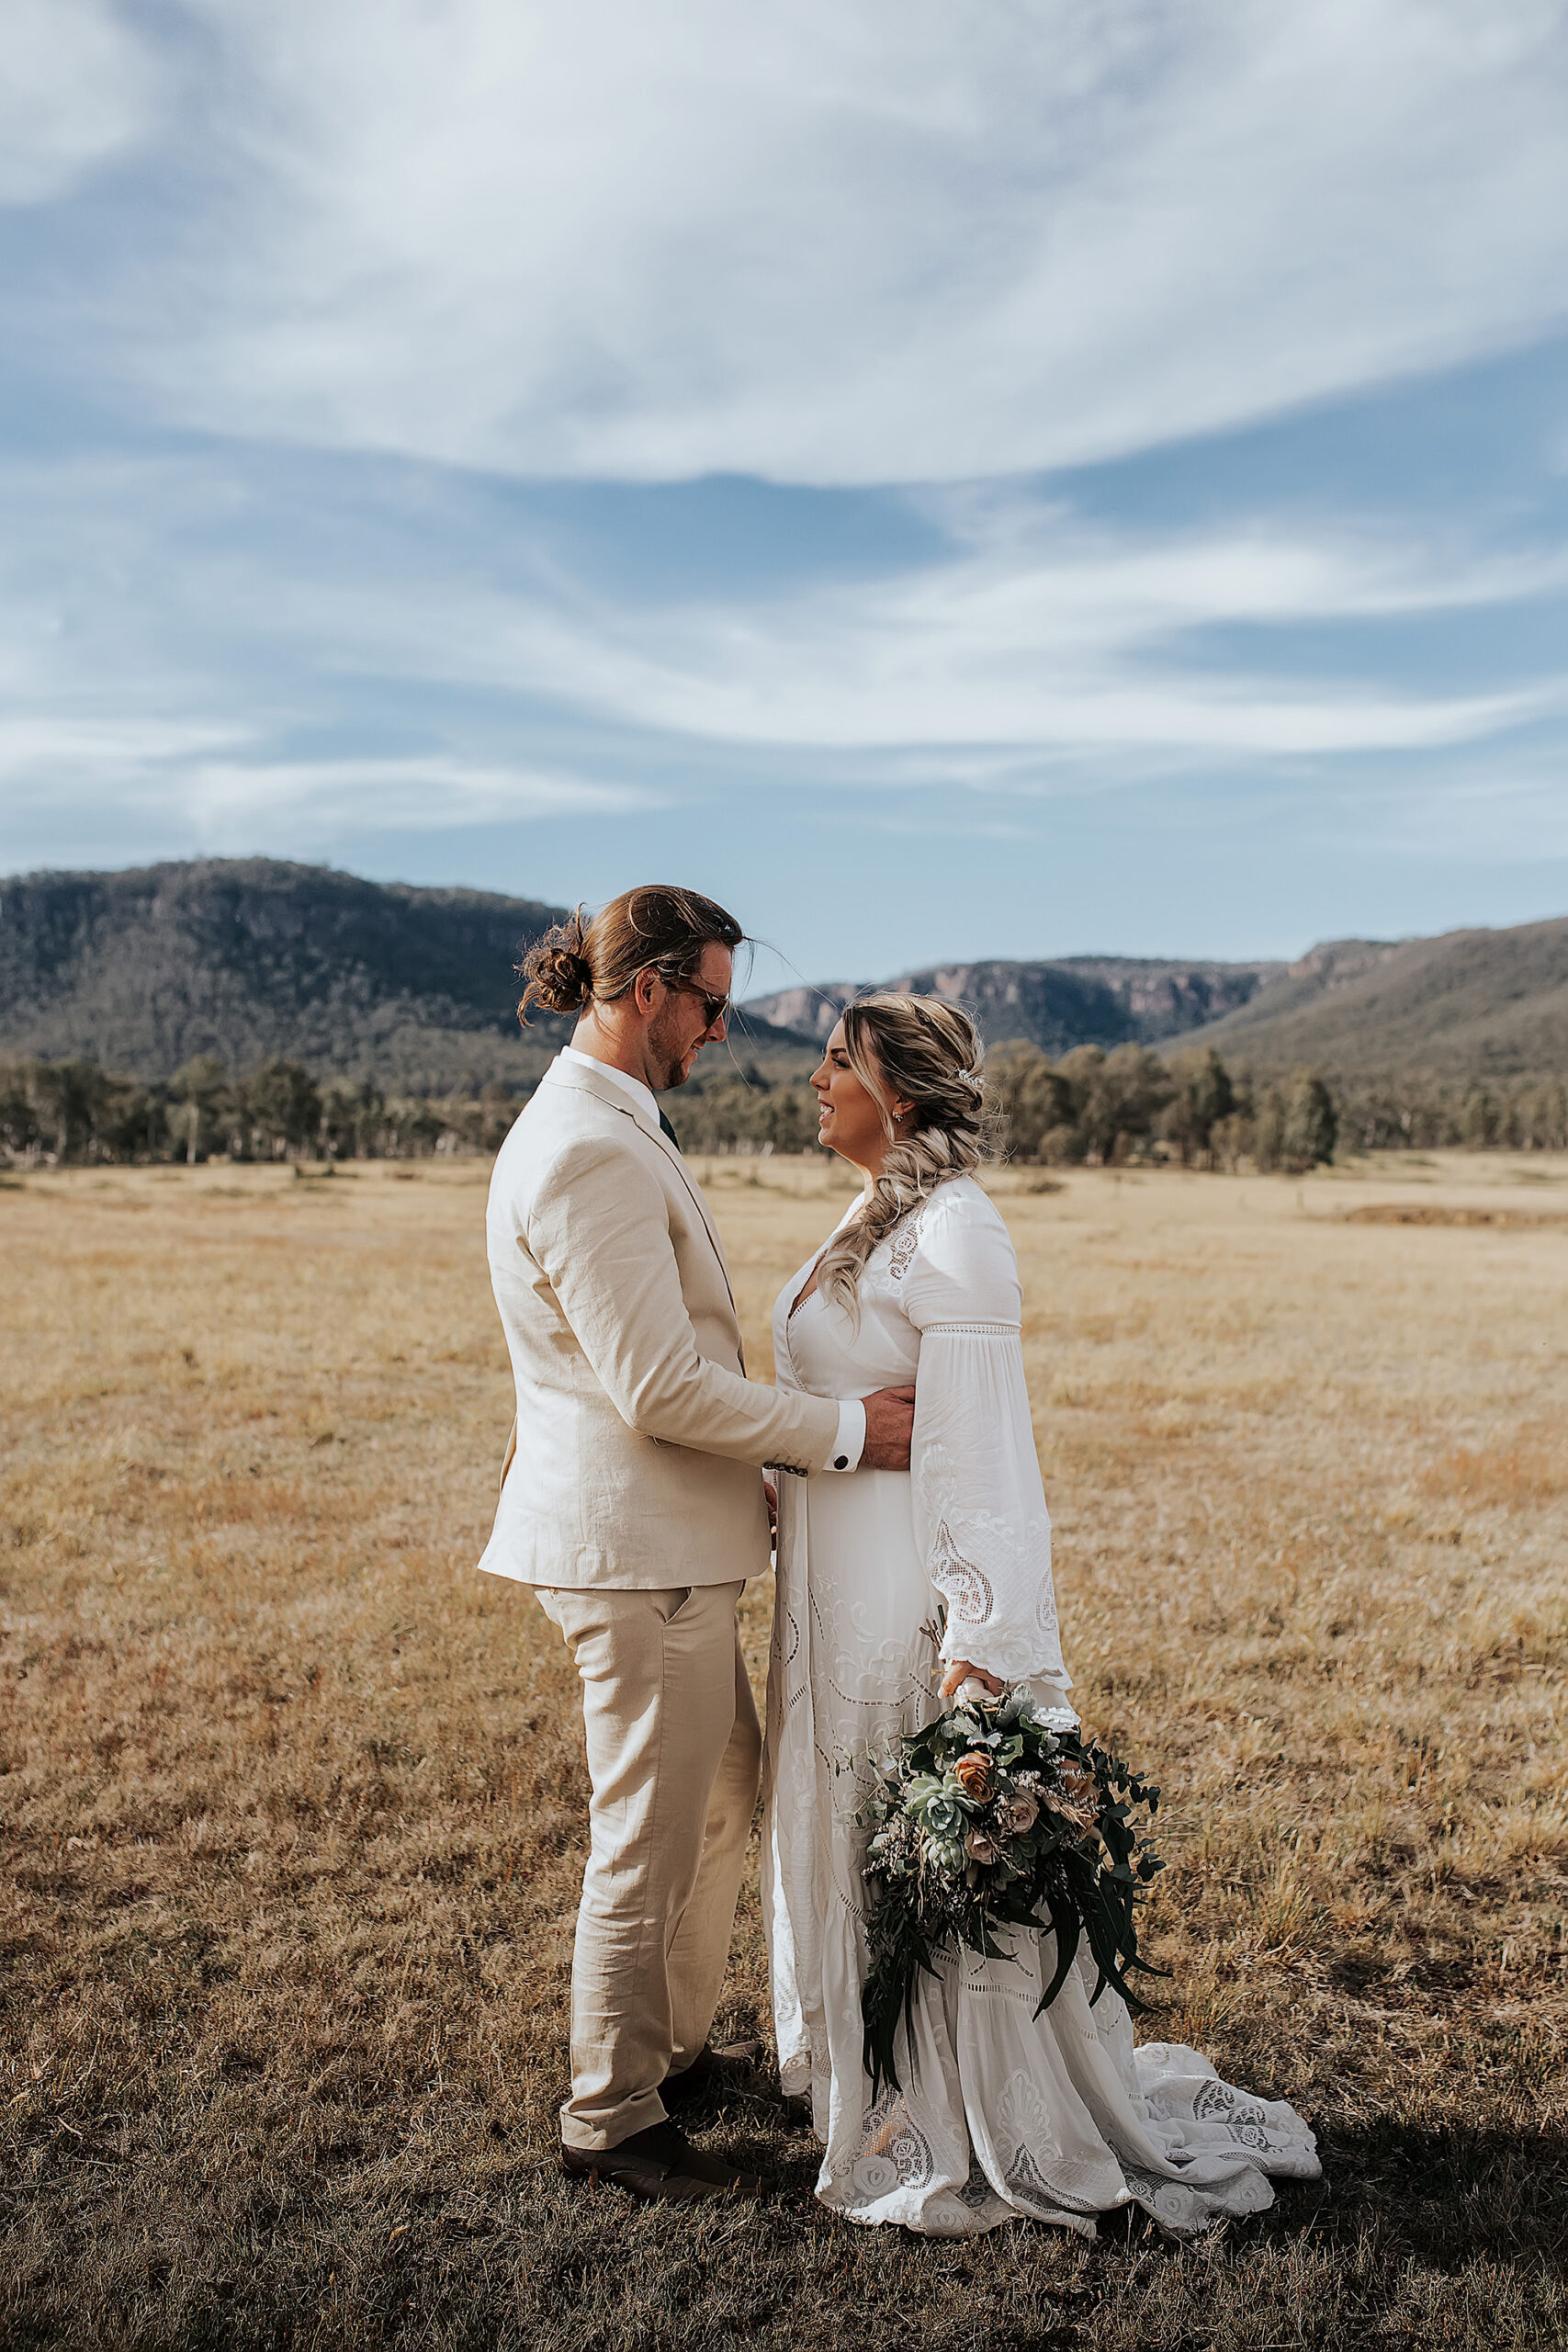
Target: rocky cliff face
[
  {"x": 1163, "y": 1000},
  {"x": 1072, "y": 1001}
]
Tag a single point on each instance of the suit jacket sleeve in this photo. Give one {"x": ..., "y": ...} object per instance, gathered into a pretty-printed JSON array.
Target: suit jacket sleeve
[{"x": 599, "y": 1231}]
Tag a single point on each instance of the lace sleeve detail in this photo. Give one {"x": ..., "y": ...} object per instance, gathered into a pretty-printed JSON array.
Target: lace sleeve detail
[
  {"x": 959, "y": 1265},
  {"x": 979, "y": 1331}
]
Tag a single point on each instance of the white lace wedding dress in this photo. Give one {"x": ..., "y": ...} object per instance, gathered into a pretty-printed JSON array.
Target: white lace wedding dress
[{"x": 1001, "y": 2114}]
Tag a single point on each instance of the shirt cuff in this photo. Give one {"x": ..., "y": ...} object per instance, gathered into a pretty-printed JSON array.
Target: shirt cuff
[{"x": 850, "y": 1442}]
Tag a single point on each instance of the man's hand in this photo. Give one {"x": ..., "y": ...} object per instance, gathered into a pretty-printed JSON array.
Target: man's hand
[
  {"x": 889, "y": 1419},
  {"x": 771, "y": 1493}
]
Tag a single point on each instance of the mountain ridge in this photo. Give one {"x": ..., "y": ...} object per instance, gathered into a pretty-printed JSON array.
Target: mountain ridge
[
  {"x": 1473, "y": 1004},
  {"x": 1055, "y": 1002},
  {"x": 1469, "y": 1004},
  {"x": 415, "y": 988}
]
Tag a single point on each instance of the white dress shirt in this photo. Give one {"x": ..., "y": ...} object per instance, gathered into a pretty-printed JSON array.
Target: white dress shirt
[{"x": 852, "y": 1411}]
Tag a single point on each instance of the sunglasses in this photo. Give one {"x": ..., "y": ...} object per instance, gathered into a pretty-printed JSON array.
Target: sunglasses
[{"x": 717, "y": 1008}]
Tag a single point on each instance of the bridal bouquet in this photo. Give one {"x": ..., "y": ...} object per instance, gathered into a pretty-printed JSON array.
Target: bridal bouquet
[{"x": 989, "y": 1819}]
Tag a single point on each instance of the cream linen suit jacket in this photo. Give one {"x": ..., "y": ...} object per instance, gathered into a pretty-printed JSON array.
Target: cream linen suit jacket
[{"x": 634, "y": 1456}]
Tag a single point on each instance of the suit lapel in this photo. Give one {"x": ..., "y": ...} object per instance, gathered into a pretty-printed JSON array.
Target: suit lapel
[
  {"x": 702, "y": 1208},
  {"x": 572, "y": 1074}
]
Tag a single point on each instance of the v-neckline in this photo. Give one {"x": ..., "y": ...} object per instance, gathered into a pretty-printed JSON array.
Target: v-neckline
[{"x": 808, "y": 1287}]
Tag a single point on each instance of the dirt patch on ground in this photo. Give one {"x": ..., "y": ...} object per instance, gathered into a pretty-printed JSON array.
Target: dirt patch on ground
[{"x": 1431, "y": 1213}]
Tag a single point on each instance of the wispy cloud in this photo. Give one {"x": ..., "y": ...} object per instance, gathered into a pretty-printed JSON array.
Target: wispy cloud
[
  {"x": 384, "y": 670},
  {"x": 442, "y": 415},
  {"x": 234, "y": 801},
  {"x": 78, "y": 90},
  {"x": 245, "y": 800},
  {"x": 886, "y": 240},
  {"x": 1050, "y": 636}
]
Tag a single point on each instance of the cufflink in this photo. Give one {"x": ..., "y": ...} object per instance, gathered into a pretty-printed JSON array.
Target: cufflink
[{"x": 840, "y": 1462}]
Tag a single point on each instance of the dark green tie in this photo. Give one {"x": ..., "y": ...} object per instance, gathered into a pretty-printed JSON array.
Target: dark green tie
[{"x": 668, "y": 1130}]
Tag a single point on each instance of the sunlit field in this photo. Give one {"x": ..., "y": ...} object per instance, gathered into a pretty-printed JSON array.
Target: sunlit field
[{"x": 292, "y": 1801}]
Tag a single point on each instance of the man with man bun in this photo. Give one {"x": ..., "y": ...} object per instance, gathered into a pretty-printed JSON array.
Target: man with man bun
[{"x": 631, "y": 1500}]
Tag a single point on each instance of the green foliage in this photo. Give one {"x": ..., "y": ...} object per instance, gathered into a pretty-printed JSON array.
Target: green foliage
[
  {"x": 279, "y": 1109},
  {"x": 1105, "y": 1109},
  {"x": 1203, "y": 1096},
  {"x": 1296, "y": 1125},
  {"x": 1385, "y": 1114},
  {"x": 743, "y": 1111},
  {"x": 1472, "y": 1008},
  {"x": 1310, "y": 1125},
  {"x": 67, "y": 1113},
  {"x": 71, "y": 1111},
  {"x": 987, "y": 1820},
  {"x": 1091, "y": 1106},
  {"x": 1269, "y": 1131},
  {"x": 1032, "y": 1100}
]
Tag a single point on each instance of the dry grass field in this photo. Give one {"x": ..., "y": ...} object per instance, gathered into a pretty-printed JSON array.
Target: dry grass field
[{"x": 291, "y": 1800}]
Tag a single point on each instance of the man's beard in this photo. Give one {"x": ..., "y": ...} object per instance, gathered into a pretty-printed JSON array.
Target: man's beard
[{"x": 667, "y": 1057}]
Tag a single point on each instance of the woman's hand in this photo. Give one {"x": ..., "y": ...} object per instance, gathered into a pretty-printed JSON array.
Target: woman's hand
[
  {"x": 959, "y": 1673},
  {"x": 771, "y": 1493}
]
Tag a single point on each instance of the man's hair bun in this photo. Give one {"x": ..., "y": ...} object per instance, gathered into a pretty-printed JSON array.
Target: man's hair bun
[
  {"x": 658, "y": 927},
  {"x": 556, "y": 975}
]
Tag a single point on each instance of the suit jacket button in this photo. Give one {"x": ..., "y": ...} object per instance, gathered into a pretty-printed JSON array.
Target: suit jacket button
[{"x": 841, "y": 1462}]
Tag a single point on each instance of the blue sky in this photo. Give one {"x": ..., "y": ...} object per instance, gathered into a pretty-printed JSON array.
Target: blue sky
[{"x": 1017, "y": 479}]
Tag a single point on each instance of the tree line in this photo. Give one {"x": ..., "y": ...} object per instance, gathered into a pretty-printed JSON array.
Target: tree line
[
  {"x": 1109, "y": 1108},
  {"x": 71, "y": 1112},
  {"x": 1092, "y": 1107}
]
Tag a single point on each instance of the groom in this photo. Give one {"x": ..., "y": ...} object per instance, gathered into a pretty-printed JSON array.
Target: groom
[{"x": 631, "y": 1500}]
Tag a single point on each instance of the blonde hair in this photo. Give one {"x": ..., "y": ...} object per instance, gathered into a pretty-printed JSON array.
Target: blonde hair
[
  {"x": 929, "y": 1054},
  {"x": 658, "y": 927}
]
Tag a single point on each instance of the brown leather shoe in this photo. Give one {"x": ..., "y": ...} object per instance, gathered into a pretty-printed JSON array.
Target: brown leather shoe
[
  {"x": 661, "y": 2166},
  {"x": 727, "y": 2068}
]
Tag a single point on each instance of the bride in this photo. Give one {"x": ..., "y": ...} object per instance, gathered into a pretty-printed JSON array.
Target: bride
[{"x": 1001, "y": 2114}]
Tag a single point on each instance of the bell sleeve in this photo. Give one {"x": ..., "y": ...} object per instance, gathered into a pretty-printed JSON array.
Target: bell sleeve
[{"x": 979, "y": 1506}]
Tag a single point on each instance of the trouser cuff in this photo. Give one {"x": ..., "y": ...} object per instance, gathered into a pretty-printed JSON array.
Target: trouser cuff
[{"x": 640, "y": 2114}]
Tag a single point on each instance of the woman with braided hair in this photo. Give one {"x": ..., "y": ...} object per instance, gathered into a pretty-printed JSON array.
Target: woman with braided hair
[{"x": 1001, "y": 2115}]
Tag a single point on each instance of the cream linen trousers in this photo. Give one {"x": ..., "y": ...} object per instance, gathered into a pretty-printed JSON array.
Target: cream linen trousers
[{"x": 675, "y": 1751}]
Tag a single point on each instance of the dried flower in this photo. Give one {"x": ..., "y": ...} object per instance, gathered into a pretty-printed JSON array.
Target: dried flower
[{"x": 1074, "y": 1797}]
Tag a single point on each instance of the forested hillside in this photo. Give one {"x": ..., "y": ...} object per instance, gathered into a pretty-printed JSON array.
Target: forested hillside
[
  {"x": 244, "y": 959},
  {"x": 1476, "y": 1006}
]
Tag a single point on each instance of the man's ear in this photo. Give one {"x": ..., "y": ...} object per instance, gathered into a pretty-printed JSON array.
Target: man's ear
[{"x": 643, "y": 987}]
